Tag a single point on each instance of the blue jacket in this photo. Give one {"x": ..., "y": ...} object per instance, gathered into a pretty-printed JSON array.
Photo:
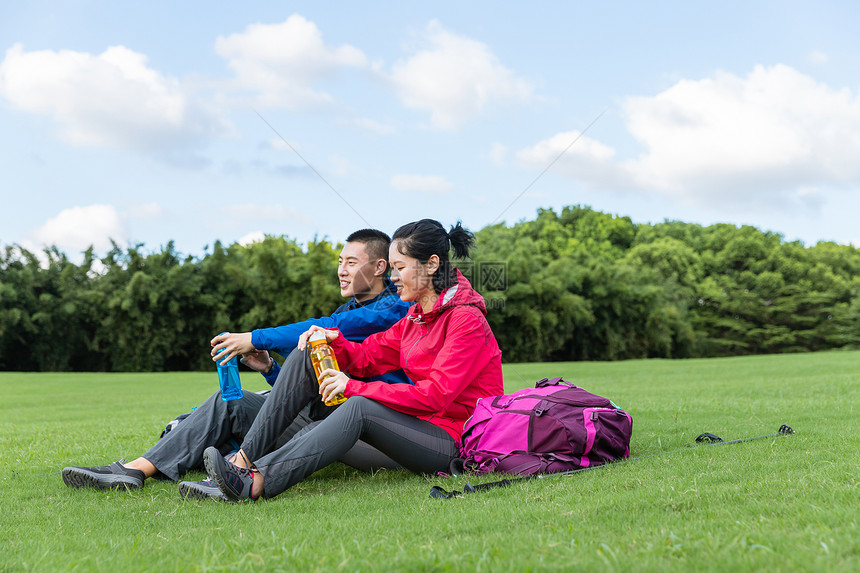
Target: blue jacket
[{"x": 355, "y": 320}]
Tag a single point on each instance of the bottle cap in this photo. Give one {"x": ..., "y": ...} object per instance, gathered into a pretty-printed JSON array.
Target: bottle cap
[{"x": 318, "y": 336}]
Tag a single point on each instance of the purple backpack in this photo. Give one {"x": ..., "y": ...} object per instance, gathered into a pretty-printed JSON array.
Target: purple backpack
[{"x": 553, "y": 427}]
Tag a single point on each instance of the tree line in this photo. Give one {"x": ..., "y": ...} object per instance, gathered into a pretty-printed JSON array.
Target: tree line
[{"x": 574, "y": 285}]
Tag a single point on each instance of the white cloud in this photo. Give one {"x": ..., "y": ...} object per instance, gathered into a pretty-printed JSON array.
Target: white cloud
[
  {"x": 252, "y": 237},
  {"x": 112, "y": 99},
  {"x": 575, "y": 155},
  {"x": 427, "y": 183},
  {"x": 772, "y": 130},
  {"x": 774, "y": 135},
  {"x": 97, "y": 268},
  {"x": 77, "y": 228},
  {"x": 817, "y": 58},
  {"x": 455, "y": 79},
  {"x": 282, "y": 62}
]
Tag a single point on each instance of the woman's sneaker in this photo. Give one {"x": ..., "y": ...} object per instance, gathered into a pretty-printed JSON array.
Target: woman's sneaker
[
  {"x": 205, "y": 489},
  {"x": 114, "y": 476},
  {"x": 234, "y": 482}
]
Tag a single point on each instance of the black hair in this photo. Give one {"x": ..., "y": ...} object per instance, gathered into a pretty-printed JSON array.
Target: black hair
[
  {"x": 375, "y": 242},
  {"x": 427, "y": 237}
]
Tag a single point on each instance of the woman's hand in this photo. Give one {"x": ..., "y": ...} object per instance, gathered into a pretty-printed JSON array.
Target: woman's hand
[
  {"x": 332, "y": 383},
  {"x": 233, "y": 343},
  {"x": 258, "y": 360},
  {"x": 330, "y": 336}
]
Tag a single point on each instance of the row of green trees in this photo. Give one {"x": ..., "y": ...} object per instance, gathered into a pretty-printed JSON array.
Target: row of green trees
[
  {"x": 136, "y": 311},
  {"x": 575, "y": 285},
  {"x": 591, "y": 286}
]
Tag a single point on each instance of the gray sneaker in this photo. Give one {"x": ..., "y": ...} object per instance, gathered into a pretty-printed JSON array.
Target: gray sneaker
[
  {"x": 234, "y": 482},
  {"x": 114, "y": 476},
  {"x": 205, "y": 489}
]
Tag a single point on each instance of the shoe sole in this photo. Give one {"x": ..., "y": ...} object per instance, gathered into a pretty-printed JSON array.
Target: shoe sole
[
  {"x": 189, "y": 491},
  {"x": 213, "y": 461},
  {"x": 76, "y": 477}
]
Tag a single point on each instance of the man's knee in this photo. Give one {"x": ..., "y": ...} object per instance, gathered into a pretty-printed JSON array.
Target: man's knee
[
  {"x": 303, "y": 357},
  {"x": 249, "y": 402},
  {"x": 296, "y": 365},
  {"x": 212, "y": 401}
]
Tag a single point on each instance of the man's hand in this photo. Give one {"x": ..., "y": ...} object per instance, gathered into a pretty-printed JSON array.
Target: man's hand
[
  {"x": 258, "y": 360},
  {"x": 332, "y": 383},
  {"x": 233, "y": 343},
  {"x": 330, "y": 336}
]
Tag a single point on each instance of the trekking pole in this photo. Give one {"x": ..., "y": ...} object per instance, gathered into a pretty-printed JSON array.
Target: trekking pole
[
  {"x": 707, "y": 439},
  {"x": 712, "y": 440}
]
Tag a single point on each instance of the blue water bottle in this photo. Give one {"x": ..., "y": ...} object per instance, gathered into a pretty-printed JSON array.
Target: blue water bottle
[{"x": 228, "y": 376}]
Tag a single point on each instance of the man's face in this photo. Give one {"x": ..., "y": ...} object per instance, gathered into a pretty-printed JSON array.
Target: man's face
[{"x": 355, "y": 269}]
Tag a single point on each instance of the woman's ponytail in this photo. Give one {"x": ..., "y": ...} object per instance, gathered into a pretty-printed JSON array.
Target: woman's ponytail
[{"x": 462, "y": 240}]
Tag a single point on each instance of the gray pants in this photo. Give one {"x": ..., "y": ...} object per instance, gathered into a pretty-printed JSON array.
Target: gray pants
[
  {"x": 416, "y": 445},
  {"x": 223, "y": 424}
]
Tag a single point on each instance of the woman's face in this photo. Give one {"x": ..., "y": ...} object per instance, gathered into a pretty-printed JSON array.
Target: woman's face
[{"x": 412, "y": 279}]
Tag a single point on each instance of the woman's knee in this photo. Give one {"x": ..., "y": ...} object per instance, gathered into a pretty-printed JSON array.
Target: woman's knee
[
  {"x": 358, "y": 404},
  {"x": 355, "y": 409}
]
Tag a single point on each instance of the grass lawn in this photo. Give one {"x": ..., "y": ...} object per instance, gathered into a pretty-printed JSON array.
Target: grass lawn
[{"x": 778, "y": 504}]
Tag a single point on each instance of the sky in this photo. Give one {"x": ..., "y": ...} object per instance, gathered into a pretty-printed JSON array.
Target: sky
[{"x": 151, "y": 122}]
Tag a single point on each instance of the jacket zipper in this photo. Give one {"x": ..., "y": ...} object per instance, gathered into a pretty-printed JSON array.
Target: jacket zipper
[{"x": 411, "y": 348}]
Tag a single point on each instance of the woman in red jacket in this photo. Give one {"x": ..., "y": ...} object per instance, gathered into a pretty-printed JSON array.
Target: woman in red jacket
[{"x": 444, "y": 345}]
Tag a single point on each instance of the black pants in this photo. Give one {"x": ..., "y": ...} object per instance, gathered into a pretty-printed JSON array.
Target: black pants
[{"x": 270, "y": 422}]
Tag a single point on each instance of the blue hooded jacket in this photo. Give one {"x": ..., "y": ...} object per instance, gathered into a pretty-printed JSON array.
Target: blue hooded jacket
[{"x": 355, "y": 320}]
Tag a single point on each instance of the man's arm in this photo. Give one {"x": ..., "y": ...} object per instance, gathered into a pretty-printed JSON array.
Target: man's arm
[
  {"x": 281, "y": 339},
  {"x": 356, "y": 324}
]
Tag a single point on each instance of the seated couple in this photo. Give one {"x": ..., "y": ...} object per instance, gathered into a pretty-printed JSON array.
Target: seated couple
[{"x": 435, "y": 332}]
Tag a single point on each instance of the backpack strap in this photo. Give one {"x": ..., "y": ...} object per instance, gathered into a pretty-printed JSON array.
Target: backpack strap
[{"x": 558, "y": 381}]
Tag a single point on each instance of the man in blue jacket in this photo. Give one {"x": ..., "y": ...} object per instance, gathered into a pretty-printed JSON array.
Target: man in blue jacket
[{"x": 373, "y": 307}]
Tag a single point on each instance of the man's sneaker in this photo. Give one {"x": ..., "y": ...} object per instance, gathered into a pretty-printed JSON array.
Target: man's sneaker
[
  {"x": 234, "y": 482},
  {"x": 114, "y": 476},
  {"x": 205, "y": 489}
]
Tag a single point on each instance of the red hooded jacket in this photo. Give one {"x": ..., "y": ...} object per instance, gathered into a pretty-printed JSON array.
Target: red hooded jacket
[{"x": 450, "y": 353}]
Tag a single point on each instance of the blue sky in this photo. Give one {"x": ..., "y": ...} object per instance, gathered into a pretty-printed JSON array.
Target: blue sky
[{"x": 158, "y": 121}]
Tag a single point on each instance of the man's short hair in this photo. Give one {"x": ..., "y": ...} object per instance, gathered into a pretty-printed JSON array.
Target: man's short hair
[{"x": 375, "y": 242}]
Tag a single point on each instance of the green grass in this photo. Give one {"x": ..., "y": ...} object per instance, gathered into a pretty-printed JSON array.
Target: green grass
[{"x": 780, "y": 504}]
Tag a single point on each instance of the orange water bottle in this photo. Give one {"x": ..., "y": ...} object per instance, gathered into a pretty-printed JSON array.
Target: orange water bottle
[{"x": 322, "y": 358}]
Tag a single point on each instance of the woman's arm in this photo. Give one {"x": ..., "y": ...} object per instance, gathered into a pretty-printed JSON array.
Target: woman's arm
[
  {"x": 376, "y": 355},
  {"x": 455, "y": 367}
]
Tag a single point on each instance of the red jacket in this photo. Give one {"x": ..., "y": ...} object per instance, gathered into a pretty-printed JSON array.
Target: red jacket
[{"x": 450, "y": 353}]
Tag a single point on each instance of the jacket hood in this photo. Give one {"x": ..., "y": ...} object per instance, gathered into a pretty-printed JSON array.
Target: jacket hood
[{"x": 461, "y": 293}]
